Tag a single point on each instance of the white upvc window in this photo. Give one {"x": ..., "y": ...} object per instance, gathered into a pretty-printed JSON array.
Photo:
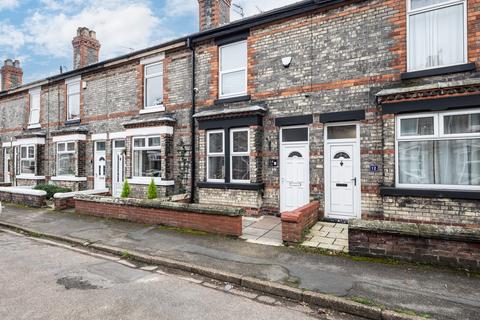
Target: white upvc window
[
  {"x": 34, "y": 118},
  {"x": 28, "y": 160},
  {"x": 437, "y": 33},
  {"x": 73, "y": 99},
  {"x": 147, "y": 157},
  {"x": 66, "y": 158},
  {"x": 239, "y": 155},
  {"x": 153, "y": 84},
  {"x": 438, "y": 150},
  {"x": 233, "y": 70},
  {"x": 216, "y": 156}
]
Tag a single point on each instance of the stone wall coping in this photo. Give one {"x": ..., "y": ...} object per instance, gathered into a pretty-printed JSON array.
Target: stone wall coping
[
  {"x": 164, "y": 204},
  {"x": 66, "y": 195},
  {"x": 26, "y": 191},
  {"x": 416, "y": 229}
]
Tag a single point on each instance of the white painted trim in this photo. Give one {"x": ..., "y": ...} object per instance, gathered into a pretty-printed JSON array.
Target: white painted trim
[
  {"x": 117, "y": 135},
  {"x": 26, "y": 141},
  {"x": 68, "y": 178},
  {"x": 149, "y": 131},
  {"x": 70, "y": 137},
  {"x": 29, "y": 177},
  {"x": 146, "y": 181},
  {"x": 152, "y": 109},
  {"x": 157, "y": 58},
  {"x": 357, "y": 169},
  {"x": 6, "y": 144},
  {"x": 73, "y": 80},
  {"x": 99, "y": 136}
]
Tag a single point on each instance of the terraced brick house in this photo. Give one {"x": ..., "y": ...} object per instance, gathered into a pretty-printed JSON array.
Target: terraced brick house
[{"x": 371, "y": 107}]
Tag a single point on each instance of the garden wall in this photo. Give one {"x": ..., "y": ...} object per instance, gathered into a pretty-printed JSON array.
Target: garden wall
[
  {"x": 24, "y": 196},
  {"x": 441, "y": 245},
  {"x": 294, "y": 223},
  {"x": 220, "y": 220},
  {"x": 66, "y": 200}
]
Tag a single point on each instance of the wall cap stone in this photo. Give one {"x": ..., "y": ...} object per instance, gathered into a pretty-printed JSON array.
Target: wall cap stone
[
  {"x": 164, "y": 204},
  {"x": 26, "y": 191},
  {"x": 414, "y": 229},
  {"x": 66, "y": 195}
]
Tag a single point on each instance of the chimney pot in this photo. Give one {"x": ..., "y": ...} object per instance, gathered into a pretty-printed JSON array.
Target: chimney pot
[
  {"x": 11, "y": 74},
  {"x": 86, "y": 48},
  {"x": 214, "y": 13}
]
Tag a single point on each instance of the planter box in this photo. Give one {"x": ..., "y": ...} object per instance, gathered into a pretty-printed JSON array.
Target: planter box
[
  {"x": 441, "y": 245},
  {"x": 294, "y": 223},
  {"x": 225, "y": 221}
]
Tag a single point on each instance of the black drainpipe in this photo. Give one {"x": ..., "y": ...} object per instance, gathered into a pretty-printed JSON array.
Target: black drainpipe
[{"x": 191, "y": 46}]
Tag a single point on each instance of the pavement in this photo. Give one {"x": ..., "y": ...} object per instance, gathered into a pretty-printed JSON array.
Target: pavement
[
  {"x": 44, "y": 280},
  {"x": 266, "y": 230},
  {"x": 441, "y": 294}
]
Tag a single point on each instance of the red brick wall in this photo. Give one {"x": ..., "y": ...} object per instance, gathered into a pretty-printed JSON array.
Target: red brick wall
[
  {"x": 220, "y": 224},
  {"x": 453, "y": 253},
  {"x": 296, "y": 222},
  {"x": 24, "y": 199}
]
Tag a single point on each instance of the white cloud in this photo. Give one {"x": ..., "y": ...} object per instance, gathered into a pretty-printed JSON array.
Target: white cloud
[
  {"x": 119, "y": 24},
  {"x": 9, "y": 4},
  {"x": 175, "y": 8},
  {"x": 11, "y": 37}
]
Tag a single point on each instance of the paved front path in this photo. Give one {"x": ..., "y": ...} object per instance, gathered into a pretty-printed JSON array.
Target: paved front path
[
  {"x": 40, "y": 280},
  {"x": 446, "y": 295},
  {"x": 264, "y": 230},
  {"x": 329, "y": 236}
]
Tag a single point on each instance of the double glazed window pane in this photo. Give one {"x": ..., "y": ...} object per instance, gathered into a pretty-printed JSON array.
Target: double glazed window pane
[
  {"x": 34, "y": 108},
  {"x": 436, "y": 37},
  {"x": 240, "y": 141},
  {"x": 154, "y": 91},
  {"x": 233, "y": 69},
  {"x": 417, "y": 4},
  {"x": 216, "y": 168},
  {"x": 233, "y": 82},
  {"x": 462, "y": 123},
  {"x": 342, "y": 132},
  {"x": 241, "y": 168},
  {"x": 73, "y": 106},
  {"x": 147, "y": 163},
  {"x": 240, "y": 158},
  {"x": 66, "y": 164},
  {"x": 215, "y": 142},
  {"x": 417, "y": 127},
  {"x": 27, "y": 166}
]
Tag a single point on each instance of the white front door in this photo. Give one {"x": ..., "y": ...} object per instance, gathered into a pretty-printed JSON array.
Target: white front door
[
  {"x": 342, "y": 172},
  {"x": 118, "y": 173},
  {"x": 294, "y": 168},
  {"x": 6, "y": 165},
  {"x": 99, "y": 165}
]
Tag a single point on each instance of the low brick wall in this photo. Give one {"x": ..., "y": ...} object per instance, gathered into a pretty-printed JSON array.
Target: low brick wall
[
  {"x": 219, "y": 220},
  {"x": 294, "y": 223},
  {"x": 66, "y": 200},
  {"x": 441, "y": 245},
  {"x": 28, "y": 197}
]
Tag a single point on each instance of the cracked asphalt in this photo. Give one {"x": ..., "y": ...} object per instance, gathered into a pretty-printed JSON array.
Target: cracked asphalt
[
  {"x": 440, "y": 293},
  {"x": 40, "y": 279}
]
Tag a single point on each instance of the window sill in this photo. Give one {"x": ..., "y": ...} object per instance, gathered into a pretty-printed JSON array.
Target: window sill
[
  {"x": 68, "y": 178},
  {"x": 34, "y": 126},
  {"x": 438, "y": 71},
  {"x": 72, "y": 122},
  {"x": 233, "y": 186},
  {"x": 430, "y": 193},
  {"x": 29, "y": 177},
  {"x": 152, "y": 109},
  {"x": 146, "y": 181},
  {"x": 232, "y": 99}
]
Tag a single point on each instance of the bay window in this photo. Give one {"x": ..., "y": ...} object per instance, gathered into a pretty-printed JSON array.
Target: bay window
[
  {"x": 216, "y": 156},
  {"x": 239, "y": 156},
  {"x": 147, "y": 157},
  {"x": 27, "y": 160},
  {"x": 73, "y": 100},
  {"x": 233, "y": 70},
  {"x": 65, "y": 158},
  {"x": 439, "y": 150},
  {"x": 436, "y": 33},
  {"x": 153, "y": 84}
]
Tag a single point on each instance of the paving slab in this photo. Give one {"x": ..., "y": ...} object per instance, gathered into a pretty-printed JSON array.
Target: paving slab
[{"x": 439, "y": 293}]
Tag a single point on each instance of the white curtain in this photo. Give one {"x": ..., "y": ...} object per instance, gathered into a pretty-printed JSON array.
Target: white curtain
[
  {"x": 457, "y": 162},
  {"x": 436, "y": 38},
  {"x": 415, "y": 160}
]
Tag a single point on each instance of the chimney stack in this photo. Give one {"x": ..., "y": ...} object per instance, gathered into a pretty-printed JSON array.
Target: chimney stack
[
  {"x": 12, "y": 74},
  {"x": 86, "y": 48},
  {"x": 214, "y": 13}
]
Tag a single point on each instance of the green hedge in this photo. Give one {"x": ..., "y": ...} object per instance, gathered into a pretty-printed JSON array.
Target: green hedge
[{"x": 51, "y": 189}]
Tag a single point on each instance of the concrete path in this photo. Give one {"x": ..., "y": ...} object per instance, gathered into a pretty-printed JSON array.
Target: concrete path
[
  {"x": 264, "y": 230},
  {"x": 442, "y": 294},
  {"x": 41, "y": 280}
]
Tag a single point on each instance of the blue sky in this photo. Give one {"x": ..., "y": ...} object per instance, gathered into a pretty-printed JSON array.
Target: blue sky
[{"x": 39, "y": 33}]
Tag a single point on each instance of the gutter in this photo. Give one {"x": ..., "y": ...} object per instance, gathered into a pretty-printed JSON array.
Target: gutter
[{"x": 191, "y": 46}]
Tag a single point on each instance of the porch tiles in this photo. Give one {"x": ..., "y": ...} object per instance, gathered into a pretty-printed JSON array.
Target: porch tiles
[
  {"x": 265, "y": 230},
  {"x": 329, "y": 236}
]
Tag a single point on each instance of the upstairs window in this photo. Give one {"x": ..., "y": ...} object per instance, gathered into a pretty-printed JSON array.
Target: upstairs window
[
  {"x": 439, "y": 150},
  {"x": 233, "y": 70},
  {"x": 147, "y": 157},
  {"x": 73, "y": 100},
  {"x": 65, "y": 158},
  {"x": 34, "y": 118},
  {"x": 153, "y": 85},
  {"x": 27, "y": 160},
  {"x": 436, "y": 33}
]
